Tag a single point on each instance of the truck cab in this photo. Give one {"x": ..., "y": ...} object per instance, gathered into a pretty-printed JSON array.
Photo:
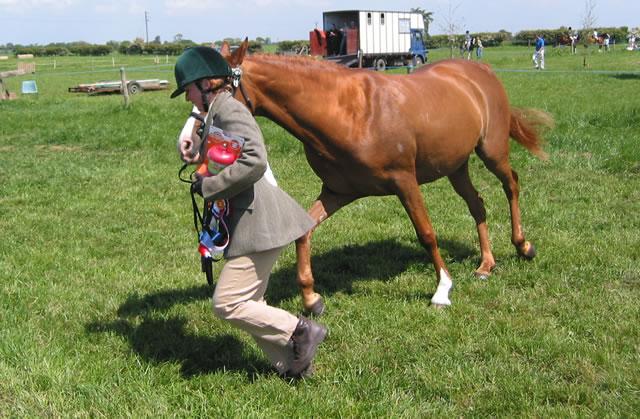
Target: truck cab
[{"x": 417, "y": 47}]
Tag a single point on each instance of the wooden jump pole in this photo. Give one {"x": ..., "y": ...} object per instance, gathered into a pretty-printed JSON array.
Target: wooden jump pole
[{"x": 125, "y": 91}]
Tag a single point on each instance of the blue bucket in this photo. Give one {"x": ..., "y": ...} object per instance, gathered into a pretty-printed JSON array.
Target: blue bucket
[{"x": 29, "y": 86}]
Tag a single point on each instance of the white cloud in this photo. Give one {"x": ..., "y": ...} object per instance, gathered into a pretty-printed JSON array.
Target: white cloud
[
  {"x": 192, "y": 7},
  {"x": 107, "y": 8},
  {"x": 54, "y": 4},
  {"x": 30, "y": 7},
  {"x": 135, "y": 9}
]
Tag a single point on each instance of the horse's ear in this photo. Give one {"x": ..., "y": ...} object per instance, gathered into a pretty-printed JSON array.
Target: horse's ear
[
  {"x": 225, "y": 50},
  {"x": 238, "y": 55}
]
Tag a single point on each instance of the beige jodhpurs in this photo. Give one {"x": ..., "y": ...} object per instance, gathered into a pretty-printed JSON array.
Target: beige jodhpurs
[{"x": 239, "y": 299}]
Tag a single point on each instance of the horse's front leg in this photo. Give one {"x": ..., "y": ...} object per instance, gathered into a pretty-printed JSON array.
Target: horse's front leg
[
  {"x": 326, "y": 205},
  {"x": 411, "y": 198}
]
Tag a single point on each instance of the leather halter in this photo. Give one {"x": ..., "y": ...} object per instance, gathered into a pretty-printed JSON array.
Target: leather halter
[{"x": 235, "y": 82}]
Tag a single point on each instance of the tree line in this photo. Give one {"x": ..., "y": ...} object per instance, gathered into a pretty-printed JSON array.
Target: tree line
[
  {"x": 139, "y": 47},
  {"x": 522, "y": 38},
  {"x": 555, "y": 36}
]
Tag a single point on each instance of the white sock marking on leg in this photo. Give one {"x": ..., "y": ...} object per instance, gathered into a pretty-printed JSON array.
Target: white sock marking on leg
[{"x": 441, "y": 295}]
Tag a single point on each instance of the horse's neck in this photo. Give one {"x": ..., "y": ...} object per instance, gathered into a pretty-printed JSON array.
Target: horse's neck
[
  {"x": 295, "y": 94},
  {"x": 294, "y": 86}
]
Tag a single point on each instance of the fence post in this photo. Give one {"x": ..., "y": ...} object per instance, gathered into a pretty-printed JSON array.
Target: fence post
[{"x": 125, "y": 91}]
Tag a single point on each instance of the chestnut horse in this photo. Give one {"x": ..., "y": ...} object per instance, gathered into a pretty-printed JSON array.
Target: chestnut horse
[{"x": 367, "y": 133}]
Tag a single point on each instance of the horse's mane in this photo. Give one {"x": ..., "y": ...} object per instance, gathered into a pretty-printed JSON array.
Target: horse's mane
[{"x": 308, "y": 62}]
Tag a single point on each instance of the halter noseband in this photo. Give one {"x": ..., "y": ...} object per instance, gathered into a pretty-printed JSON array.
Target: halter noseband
[{"x": 235, "y": 82}]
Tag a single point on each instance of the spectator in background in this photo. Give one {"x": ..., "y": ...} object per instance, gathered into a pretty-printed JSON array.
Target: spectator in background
[
  {"x": 343, "y": 41},
  {"x": 467, "y": 41},
  {"x": 479, "y": 47},
  {"x": 606, "y": 41},
  {"x": 538, "y": 56},
  {"x": 333, "y": 41},
  {"x": 472, "y": 42},
  {"x": 573, "y": 37}
]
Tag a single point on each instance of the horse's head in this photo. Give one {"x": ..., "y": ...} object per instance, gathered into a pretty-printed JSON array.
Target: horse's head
[{"x": 235, "y": 58}]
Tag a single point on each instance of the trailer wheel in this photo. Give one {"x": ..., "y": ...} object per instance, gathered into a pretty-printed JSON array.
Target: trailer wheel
[
  {"x": 380, "y": 64},
  {"x": 134, "y": 88}
]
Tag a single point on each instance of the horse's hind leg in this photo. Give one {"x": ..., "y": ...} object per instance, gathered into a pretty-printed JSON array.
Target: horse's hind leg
[
  {"x": 509, "y": 178},
  {"x": 461, "y": 182},
  {"x": 326, "y": 205},
  {"x": 408, "y": 191}
]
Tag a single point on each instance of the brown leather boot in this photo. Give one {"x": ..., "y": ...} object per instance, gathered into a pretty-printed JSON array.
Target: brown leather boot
[{"x": 306, "y": 339}]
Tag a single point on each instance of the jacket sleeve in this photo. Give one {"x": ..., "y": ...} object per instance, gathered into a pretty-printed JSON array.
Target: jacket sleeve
[
  {"x": 187, "y": 132},
  {"x": 250, "y": 166}
]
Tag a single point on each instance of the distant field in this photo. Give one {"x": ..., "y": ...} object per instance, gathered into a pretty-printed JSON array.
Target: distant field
[{"x": 105, "y": 312}]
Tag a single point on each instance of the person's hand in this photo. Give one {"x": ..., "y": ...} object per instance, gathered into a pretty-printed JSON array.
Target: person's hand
[
  {"x": 196, "y": 186},
  {"x": 186, "y": 147}
]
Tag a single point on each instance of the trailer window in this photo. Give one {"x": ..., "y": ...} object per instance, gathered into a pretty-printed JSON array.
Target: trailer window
[
  {"x": 404, "y": 25},
  {"x": 382, "y": 18},
  {"x": 368, "y": 18}
]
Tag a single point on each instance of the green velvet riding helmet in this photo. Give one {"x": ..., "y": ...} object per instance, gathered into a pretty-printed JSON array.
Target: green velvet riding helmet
[{"x": 198, "y": 63}]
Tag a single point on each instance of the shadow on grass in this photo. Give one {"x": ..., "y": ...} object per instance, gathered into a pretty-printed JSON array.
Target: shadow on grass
[
  {"x": 337, "y": 270},
  {"x": 158, "y": 338},
  {"x": 626, "y": 76}
]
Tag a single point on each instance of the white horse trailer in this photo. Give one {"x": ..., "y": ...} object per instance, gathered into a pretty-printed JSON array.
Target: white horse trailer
[{"x": 369, "y": 38}]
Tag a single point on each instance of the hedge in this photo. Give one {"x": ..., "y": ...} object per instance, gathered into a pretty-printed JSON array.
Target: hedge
[
  {"x": 553, "y": 36},
  {"x": 489, "y": 39},
  {"x": 292, "y": 46}
]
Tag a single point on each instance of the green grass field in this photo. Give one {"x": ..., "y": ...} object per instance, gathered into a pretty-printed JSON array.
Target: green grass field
[{"x": 105, "y": 312}]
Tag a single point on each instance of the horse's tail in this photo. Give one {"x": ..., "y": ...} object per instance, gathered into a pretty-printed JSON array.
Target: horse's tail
[{"x": 526, "y": 127}]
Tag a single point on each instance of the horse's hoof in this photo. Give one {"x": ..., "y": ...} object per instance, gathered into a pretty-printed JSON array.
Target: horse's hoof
[
  {"x": 530, "y": 253},
  {"x": 482, "y": 276},
  {"x": 317, "y": 308},
  {"x": 440, "y": 303}
]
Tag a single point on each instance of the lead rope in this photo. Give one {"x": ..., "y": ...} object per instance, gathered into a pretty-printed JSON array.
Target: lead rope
[{"x": 210, "y": 224}]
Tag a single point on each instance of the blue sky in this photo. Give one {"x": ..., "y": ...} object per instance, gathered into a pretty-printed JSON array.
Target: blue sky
[{"x": 99, "y": 21}]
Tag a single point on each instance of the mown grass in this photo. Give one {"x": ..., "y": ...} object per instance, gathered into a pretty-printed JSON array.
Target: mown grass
[{"x": 105, "y": 312}]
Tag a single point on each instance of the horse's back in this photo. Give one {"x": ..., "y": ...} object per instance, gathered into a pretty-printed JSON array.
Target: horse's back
[
  {"x": 475, "y": 79},
  {"x": 454, "y": 69},
  {"x": 473, "y": 109}
]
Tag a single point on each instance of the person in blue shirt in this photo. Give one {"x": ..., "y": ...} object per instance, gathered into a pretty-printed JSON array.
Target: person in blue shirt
[{"x": 538, "y": 56}]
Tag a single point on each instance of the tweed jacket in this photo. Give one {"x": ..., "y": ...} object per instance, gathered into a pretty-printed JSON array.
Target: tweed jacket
[{"x": 263, "y": 216}]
